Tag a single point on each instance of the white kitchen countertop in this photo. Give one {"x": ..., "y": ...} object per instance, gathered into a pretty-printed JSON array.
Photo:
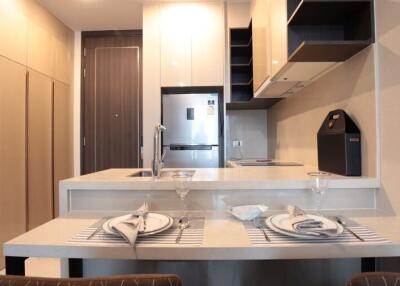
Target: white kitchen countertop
[
  {"x": 244, "y": 178},
  {"x": 224, "y": 238}
]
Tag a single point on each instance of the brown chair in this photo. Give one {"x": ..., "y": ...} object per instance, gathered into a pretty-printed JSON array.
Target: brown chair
[
  {"x": 375, "y": 279},
  {"x": 127, "y": 280}
]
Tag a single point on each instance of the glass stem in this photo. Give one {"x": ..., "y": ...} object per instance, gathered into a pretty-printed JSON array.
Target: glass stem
[
  {"x": 183, "y": 206},
  {"x": 318, "y": 198}
]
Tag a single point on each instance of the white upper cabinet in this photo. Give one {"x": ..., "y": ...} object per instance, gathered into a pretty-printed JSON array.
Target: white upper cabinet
[
  {"x": 176, "y": 44},
  {"x": 261, "y": 42},
  {"x": 192, "y": 44},
  {"x": 208, "y": 40},
  {"x": 279, "y": 46}
]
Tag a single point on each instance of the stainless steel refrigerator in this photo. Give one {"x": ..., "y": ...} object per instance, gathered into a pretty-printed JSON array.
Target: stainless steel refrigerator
[{"x": 192, "y": 138}]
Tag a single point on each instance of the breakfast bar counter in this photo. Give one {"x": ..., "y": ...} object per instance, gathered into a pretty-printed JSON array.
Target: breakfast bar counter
[{"x": 225, "y": 238}]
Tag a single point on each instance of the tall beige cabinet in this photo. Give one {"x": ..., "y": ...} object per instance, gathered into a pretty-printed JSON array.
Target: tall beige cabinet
[
  {"x": 40, "y": 150},
  {"x": 62, "y": 139},
  {"x": 12, "y": 150},
  {"x": 36, "y": 52}
]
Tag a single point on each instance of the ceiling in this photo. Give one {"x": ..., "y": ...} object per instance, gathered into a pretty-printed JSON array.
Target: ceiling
[{"x": 94, "y": 15}]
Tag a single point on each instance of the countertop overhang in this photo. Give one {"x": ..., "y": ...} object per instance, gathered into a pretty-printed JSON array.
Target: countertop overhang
[{"x": 245, "y": 178}]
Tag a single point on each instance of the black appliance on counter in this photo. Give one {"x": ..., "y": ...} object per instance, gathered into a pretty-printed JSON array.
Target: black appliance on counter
[{"x": 339, "y": 145}]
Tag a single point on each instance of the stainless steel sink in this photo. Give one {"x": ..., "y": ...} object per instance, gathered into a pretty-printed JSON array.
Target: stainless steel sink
[
  {"x": 164, "y": 174},
  {"x": 141, "y": 174}
]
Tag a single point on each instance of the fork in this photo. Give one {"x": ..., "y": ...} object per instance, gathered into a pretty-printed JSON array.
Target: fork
[{"x": 258, "y": 223}]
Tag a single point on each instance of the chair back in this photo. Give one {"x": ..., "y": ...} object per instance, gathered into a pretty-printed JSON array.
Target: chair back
[
  {"x": 128, "y": 280},
  {"x": 375, "y": 279}
]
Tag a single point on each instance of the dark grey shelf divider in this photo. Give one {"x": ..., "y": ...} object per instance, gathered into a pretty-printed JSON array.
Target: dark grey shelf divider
[{"x": 327, "y": 51}]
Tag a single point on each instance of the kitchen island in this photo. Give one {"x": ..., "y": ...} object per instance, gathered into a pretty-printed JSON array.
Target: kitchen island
[{"x": 86, "y": 200}]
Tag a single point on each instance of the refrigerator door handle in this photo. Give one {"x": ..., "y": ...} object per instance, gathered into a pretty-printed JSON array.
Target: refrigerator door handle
[{"x": 177, "y": 147}]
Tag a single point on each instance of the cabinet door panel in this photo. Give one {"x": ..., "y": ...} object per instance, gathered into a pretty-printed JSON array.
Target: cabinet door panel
[
  {"x": 261, "y": 42},
  {"x": 208, "y": 41},
  {"x": 40, "y": 182},
  {"x": 40, "y": 49},
  {"x": 61, "y": 61},
  {"x": 62, "y": 138},
  {"x": 12, "y": 151},
  {"x": 13, "y": 31},
  {"x": 176, "y": 44},
  {"x": 279, "y": 48}
]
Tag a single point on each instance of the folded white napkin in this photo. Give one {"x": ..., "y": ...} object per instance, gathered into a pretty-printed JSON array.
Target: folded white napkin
[
  {"x": 305, "y": 224},
  {"x": 130, "y": 227},
  {"x": 248, "y": 212}
]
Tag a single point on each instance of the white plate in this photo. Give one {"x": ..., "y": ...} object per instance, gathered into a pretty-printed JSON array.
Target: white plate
[
  {"x": 155, "y": 223},
  {"x": 279, "y": 223}
]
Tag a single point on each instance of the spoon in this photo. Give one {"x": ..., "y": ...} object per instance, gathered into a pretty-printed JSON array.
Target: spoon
[{"x": 183, "y": 223}]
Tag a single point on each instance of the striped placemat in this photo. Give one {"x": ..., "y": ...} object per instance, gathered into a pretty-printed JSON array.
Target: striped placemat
[
  {"x": 191, "y": 236},
  {"x": 257, "y": 236}
]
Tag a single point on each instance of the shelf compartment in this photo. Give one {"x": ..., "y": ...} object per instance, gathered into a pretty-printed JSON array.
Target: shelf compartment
[
  {"x": 241, "y": 68},
  {"x": 331, "y": 12},
  {"x": 241, "y": 51},
  {"x": 328, "y": 30},
  {"x": 327, "y": 51},
  {"x": 240, "y": 93},
  {"x": 241, "y": 36}
]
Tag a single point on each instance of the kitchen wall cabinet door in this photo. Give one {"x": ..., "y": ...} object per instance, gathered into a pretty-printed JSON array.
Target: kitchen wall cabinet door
[
  {"x": 261, "y": 42},
  {"x": 12, "y": 151},
  {"x": 208, "y": 42},
  {"x": 176, "y": 44},
  {"x": 278, "y": 40},
  {"x": 40, "y": 162},
  {"x": 62, "y": 138}
]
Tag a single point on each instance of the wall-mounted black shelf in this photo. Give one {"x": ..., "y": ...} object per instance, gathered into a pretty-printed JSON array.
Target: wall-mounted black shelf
[{"x": 328, "y": 30}]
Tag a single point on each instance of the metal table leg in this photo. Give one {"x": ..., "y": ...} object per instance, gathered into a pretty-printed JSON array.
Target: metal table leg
[
  {"x": 15, "y": 265},
  {"x": 368, "y": 264}
]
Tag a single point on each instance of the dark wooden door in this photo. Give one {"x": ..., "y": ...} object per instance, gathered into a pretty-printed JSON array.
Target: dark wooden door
[{"x": 112, "y": 100}]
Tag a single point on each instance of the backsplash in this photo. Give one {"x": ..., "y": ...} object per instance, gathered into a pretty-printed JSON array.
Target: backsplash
[
  {"x": 249, "y": 127},
  {"x": 293, "y": 123}
]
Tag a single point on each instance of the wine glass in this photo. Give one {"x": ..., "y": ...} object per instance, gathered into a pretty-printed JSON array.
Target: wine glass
[
  {"x": 319, "y": 184},
  {"x": 181, "y": 181}
]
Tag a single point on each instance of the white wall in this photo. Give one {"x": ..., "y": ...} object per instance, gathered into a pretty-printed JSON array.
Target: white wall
[{"x": 293, "y": 123}]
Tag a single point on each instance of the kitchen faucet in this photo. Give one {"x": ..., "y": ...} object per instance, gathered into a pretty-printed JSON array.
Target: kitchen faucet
[{"x": 157, "y": 163}]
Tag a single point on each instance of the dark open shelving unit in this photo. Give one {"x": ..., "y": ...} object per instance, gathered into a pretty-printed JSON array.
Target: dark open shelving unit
[
  {"x": 328, "y": 30},
  {"x": 241, "y": 64},
  {"x": 241, "y": 68}
]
